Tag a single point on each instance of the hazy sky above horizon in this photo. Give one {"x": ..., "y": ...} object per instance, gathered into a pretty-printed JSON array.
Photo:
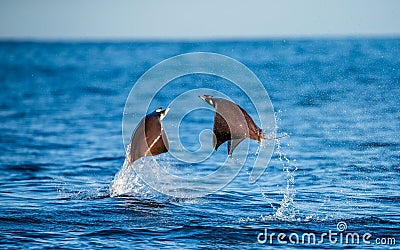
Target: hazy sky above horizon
[{"x": 203, "y": 19}]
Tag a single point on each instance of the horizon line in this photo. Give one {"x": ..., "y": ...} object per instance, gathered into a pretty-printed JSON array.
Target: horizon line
[{"x": 201, "y": 39}]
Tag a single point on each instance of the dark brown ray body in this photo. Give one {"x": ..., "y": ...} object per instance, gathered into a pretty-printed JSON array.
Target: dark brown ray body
[
  {"x": 231, "y": 123},
  {"x": 149, "y": 138}
]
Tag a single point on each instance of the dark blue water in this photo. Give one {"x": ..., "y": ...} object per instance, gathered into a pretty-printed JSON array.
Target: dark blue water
[{"x": 61, "y": 107}]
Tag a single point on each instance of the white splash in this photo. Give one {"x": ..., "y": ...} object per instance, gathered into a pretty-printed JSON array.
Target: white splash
[
  {"x": 127, "y": 181},
  {"x": 286, "y": 210}
]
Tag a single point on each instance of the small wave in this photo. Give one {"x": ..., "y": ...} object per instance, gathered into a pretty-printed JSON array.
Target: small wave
[
  {"x": 113, "y": 232},
  {"x": 372, "y": 144},
  {"x": 29, "y": 167},
  {"x": 28, "y": 220},
  {"x": 100, "y": 159},
  {"x": 99, "y": 90}
]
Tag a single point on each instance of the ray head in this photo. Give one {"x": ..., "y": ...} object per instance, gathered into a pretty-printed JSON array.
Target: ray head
[{"x": 208, "y": 99}]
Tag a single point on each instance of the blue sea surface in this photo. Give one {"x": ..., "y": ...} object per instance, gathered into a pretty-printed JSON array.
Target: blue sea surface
[{"x": 61, "y": 110}]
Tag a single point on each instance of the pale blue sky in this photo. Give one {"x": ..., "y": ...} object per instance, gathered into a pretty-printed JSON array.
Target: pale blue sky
[{"x": 202, "y": 19}]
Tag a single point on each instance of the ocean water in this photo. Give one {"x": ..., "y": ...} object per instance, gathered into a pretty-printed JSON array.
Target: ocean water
[{"x": 64, "y": 184}]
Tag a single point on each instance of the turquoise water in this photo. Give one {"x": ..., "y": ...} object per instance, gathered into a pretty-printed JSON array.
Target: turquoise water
[{"x": 61, "y": 147}]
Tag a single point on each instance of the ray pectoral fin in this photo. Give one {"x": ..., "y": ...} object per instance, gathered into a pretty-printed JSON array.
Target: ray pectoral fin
[
  {"x": 221, "y": 131},
  {"x": 165, "y": 140},
  {"x": 232, "y": 144},
  {"x": 215, "y": 142},
  {"x": 218, "y": 139}
]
